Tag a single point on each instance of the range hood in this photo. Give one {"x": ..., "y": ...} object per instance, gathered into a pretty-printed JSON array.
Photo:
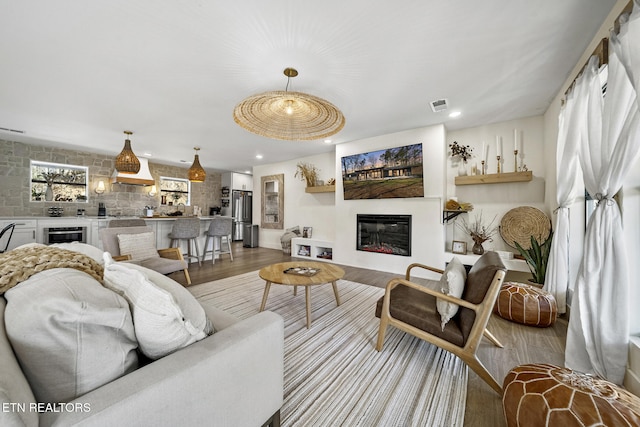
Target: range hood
[{"x": 143, "y": 177}]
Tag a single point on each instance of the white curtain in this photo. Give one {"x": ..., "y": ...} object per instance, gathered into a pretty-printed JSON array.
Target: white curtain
[
  {"x": 558, "y": 274},
  {"x": 597, "y": 340}
]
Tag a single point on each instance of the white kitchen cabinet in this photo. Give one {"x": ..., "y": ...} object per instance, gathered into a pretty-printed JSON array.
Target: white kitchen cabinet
[
  {"x": 237, "y": 181},
  {"x": 24, "y": 232}
]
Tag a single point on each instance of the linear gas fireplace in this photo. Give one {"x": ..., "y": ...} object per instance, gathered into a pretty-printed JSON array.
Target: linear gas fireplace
[{"x": 386, "y": 234}]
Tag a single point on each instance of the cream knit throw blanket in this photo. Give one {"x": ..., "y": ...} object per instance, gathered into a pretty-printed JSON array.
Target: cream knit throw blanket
[{"x": 19, "y": 264}]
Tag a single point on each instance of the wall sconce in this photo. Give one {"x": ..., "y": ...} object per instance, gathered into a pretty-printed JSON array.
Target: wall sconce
[
  {"x": 100, "y": 187},
  {"x": 153, "y": 191}
]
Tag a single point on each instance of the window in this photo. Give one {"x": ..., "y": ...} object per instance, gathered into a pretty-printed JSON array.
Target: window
[
  {"x": 58, "y": 182},
  {"x": 175, "y": 191}
]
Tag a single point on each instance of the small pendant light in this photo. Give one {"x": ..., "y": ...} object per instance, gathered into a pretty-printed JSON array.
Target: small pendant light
[
  {"x": 196, "y": 172},
  {"x": 126, "y": 161}
]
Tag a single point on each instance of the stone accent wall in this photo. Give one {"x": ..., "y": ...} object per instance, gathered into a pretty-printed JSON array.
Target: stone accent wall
[{"x": 119, "y": 199}]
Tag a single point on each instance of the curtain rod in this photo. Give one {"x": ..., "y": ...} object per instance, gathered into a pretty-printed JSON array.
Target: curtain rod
[{"x": 602, "y": 50}]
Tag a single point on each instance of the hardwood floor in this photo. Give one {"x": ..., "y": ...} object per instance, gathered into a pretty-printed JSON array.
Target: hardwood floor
[{"x": 522, "y": 344}]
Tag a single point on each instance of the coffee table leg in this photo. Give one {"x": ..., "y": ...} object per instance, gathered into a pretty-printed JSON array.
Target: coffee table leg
[
  {"x": 307, "y": 292},
  {"x": 335, "y": 292},
  {"x": 266, "y": 294}
]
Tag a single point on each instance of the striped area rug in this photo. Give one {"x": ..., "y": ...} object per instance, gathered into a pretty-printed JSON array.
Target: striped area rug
[{"x": 332, "y": 374}]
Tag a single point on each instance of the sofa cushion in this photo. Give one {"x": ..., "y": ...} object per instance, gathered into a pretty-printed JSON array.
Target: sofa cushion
[
  {"x": 166, "y": 316},
  {"x": 451, "y": 283},
  {"x": 70, "y": 334},
  {"x": 140, "y": 246}
]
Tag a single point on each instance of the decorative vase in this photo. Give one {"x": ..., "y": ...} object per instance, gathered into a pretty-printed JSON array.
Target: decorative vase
[
  {"x": 477, "y": 248},
  {"x": 462, "y": 168},
  {"x": 48, "y": 194}
]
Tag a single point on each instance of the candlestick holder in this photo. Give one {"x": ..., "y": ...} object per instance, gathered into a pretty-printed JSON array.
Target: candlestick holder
[
  {"x": 499, "y": 171},
  {"x": 515, "y": 156},
  {"x": 483, "y": 170}
]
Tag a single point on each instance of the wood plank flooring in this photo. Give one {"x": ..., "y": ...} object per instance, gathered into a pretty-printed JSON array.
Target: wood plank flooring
[{"x": 522, "y": 344}]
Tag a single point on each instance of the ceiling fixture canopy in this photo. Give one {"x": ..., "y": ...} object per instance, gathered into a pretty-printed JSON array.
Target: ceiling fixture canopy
[
  {"x": 289, "y": 116},
  {"x": 126, "y": 161},
  {"x": 196, "y": 172}
]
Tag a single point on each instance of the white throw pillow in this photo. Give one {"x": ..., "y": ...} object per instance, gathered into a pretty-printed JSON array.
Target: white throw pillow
[
  {"x": 166, "y": 316},
  {"x": 70, "y": 334},
  {"x": 140, "y": 246},
  {"x": 451, "y": 283}
]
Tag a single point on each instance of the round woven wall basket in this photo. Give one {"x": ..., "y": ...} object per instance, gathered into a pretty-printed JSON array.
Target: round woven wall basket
[{"x": 519, "y": 224}]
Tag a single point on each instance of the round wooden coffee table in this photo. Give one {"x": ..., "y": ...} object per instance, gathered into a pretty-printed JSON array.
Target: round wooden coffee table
[{"x": 275, "y": 273}]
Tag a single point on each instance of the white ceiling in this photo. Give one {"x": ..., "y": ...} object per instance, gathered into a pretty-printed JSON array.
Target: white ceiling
[{"x": 78, "y": 73}]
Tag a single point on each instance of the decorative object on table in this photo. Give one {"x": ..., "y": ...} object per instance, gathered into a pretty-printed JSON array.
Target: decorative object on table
[
  {"x": 521, "y": 223},
  {"x": 461, "y": 152},
  {"x": 289, "y": 116},
  {"x": 196, "y": 173},
  {"x": 307, "y": 172},
  {"x": 459, "y": 247},
  {"x": 537, "y": 257},
  {"x": 302, "y": 271},
  {"x": 526, "y": 304},
  {"x": 307, "y": 232},
  {"x": 544, "y": 395},
  {"x": 479, "y": 232},
  {"x": 127, "y": 161},
  {"x": 384, "y": 174}
]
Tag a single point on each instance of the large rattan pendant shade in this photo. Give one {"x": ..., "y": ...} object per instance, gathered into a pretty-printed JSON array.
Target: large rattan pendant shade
[
  {"x": 126, "y": 161},
  {"x": 288, "y": 115},
  {"x": 196, "y": 172}
]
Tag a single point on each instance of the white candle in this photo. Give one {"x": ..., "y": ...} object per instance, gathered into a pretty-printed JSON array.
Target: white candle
[
  {"x": 498, "y": 147},
  {"x": 484, "y": 151},
  {"x": 515, "y": 140}
]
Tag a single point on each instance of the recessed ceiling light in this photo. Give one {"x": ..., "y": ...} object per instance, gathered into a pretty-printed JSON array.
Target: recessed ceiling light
[
  {"x": 454, "y": 114},
  {"x": 327, "y": 141},
  {"x": 248, "y": 172},
  {"x": 147, "y": 154},
  {"x": 258, "y": 156}
]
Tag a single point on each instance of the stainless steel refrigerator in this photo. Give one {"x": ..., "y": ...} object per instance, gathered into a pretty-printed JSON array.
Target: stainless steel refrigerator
[{"x": 241, "y": 211}]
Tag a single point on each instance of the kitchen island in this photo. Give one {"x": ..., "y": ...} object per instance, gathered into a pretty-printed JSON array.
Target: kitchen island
[{"x": 35, "y": 229}]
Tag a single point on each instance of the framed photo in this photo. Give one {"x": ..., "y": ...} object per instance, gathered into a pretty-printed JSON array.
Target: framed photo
[{"x": 459, "y": 247}]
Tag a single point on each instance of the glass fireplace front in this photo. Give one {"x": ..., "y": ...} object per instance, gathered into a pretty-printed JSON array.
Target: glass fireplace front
[{"x": 386, "y": 234}]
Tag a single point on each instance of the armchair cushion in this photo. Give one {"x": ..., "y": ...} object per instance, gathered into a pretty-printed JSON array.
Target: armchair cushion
[
  {"x": 452, "y": 283},
  {"x": 166, "y": 316},
  {"x": 418, "y": 309},
  {"x": 70, "y": 334},
  {"x": 140, "y": 246}
]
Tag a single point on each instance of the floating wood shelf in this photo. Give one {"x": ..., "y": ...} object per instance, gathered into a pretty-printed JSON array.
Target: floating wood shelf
[
  {"x": 321, "y": 189},
  {"x": 494, "y": 178}
]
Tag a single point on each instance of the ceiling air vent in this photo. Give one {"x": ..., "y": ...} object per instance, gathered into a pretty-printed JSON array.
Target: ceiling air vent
[{"x": 438, "y": 105}]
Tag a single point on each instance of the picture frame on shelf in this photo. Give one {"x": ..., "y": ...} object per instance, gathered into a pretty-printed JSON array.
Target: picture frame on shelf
[
  {"x": 459, "y": 247},
  {"x": 307, "y": 232}
]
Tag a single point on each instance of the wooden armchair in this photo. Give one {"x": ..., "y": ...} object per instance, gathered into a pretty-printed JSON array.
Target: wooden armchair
[
  {"x": 165, "y": 261},
  {"x": 411, "y": 308}
]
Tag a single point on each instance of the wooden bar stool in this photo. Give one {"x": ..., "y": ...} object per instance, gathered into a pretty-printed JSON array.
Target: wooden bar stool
[
  {"x": 219, "y": 229},
  {"x": 186, "y": 229}
]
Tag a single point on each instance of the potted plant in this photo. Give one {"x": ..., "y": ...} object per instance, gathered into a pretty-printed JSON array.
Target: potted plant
[
  {"x": 479, "y": 232},
  {"x": 537, "y": 257},
  {"x": 307, "y": 172},
  {"x": 462, "y": 153}
]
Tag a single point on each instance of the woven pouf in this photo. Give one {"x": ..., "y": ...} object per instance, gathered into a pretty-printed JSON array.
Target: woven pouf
[
  {"x": 548, "y": 396},
  {"x": 526, "y": 304}
]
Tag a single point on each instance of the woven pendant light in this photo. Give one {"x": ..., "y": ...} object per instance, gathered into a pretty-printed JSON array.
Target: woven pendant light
[
  {"x": 196, "y": 172},
  {"x": 126, "y": 161},
  {"x": 289, "y": 116}
]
